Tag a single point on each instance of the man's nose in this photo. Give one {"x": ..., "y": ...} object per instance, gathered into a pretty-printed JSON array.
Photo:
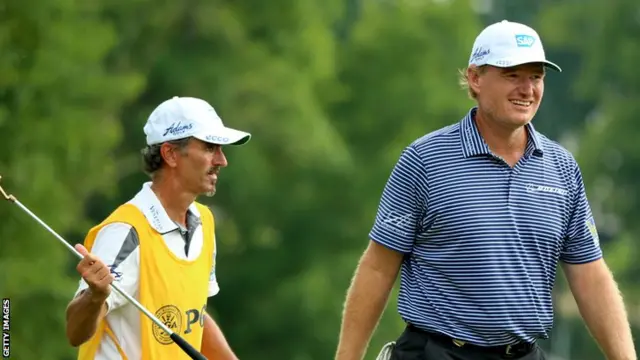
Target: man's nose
[
  {"x": 526, "y": 86},
  {"x": 219, "y": 159}
]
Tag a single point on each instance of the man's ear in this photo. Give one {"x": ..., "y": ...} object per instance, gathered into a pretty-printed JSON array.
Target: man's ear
[
  {"x": 473, "y": 78},
  {"x": 170, "y": 154}
]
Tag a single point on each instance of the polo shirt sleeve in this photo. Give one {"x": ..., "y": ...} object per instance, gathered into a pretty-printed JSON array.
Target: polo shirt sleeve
[
  {"x": 117, "y": 246},
  {"x": 403, "y": 203},
  {"x": 581, "y": 243}
]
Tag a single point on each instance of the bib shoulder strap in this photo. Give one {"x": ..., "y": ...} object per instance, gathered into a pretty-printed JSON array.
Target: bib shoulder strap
[{"x": 125, "y": 213}]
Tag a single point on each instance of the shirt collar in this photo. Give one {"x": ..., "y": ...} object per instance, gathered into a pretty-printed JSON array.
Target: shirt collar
[
  {"x": 147, "y": 201},
  {"x": 473, "y": 144}
]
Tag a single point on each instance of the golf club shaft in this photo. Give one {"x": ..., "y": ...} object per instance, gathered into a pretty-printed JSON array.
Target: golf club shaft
[
  {"x": 184, "y": 345},
  {"x": 113, "y": 285}
]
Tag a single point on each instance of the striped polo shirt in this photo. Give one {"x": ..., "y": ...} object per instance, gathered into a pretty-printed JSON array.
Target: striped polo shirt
[{"x": 481, "y": 239}]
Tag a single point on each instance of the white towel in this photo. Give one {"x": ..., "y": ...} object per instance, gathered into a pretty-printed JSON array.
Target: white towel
[{"x": 387, "y": 350}]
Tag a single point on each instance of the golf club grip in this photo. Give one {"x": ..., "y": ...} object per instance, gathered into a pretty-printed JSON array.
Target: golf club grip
[{"x": 190, "y": 350}]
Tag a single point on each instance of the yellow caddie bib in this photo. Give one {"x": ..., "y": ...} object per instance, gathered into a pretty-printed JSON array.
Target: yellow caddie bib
[{"x": 173, "y": 289}]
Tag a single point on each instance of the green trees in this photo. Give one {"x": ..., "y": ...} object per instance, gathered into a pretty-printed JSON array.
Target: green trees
[{"x": 58, "y": 118}]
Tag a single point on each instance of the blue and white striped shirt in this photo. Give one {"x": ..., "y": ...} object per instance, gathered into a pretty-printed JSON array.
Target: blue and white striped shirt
[{"x": 482, "y": 240}]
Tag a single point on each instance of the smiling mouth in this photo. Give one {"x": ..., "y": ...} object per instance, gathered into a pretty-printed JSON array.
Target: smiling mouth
[{"x": 521, "y": 103}]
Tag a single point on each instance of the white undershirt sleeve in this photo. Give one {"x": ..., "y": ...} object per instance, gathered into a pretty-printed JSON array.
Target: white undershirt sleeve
[
  {"x": 213, "y": 281},
  {"x": 117, "y": 246}
]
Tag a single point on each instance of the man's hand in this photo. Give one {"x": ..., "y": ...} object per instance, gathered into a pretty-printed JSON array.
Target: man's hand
[
  {"x": 366, "y": 299},
  {"x": 86, "y": 310},
  {"x": 95, "y": 273}
]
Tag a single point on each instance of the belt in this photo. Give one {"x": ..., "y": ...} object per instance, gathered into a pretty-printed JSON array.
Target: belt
[{"x": 504, "y": 350}]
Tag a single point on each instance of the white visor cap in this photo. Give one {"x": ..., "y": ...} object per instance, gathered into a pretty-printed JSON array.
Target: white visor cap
[{"x": 182, "y": 117}]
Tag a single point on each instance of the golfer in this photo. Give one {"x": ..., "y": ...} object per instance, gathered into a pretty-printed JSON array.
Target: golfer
[
  {"x": 475, "y": 217},
  {"x": 159, "y": 247}
]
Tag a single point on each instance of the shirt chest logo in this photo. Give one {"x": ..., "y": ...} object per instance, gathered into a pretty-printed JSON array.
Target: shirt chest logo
[{"x": 535, "y": 188}]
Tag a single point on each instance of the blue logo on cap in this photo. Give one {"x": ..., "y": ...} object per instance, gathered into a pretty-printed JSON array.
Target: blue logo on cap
[
  {"x": 479, "y": 53},
  {"x": 525, "y": 40},
  {"x": 177, "y": 129}
]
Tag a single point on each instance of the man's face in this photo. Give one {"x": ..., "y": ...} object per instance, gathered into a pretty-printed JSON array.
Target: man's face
[
  {"x": 510, "y": 96},
  {"x": 199, "y": 165}
]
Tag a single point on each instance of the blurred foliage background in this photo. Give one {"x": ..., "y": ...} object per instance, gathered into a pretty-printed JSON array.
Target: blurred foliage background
[{"x": 332, "y": 91}]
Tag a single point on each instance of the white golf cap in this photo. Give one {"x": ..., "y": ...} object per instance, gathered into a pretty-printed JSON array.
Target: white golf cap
[
  {"x": 507, "y": 44},
  {"x": 182, "y": 117}
]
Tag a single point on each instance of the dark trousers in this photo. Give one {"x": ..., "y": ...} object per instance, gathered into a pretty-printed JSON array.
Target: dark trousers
[{"x": 415, "y": 344}]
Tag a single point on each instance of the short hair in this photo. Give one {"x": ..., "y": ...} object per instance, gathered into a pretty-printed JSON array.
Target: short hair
[
  {"x": 463, "y": 81},
  {"x": 152, "y": 158}
]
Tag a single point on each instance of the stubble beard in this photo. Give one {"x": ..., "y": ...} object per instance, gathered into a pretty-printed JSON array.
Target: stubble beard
[{"x": 212, "y": 192}]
